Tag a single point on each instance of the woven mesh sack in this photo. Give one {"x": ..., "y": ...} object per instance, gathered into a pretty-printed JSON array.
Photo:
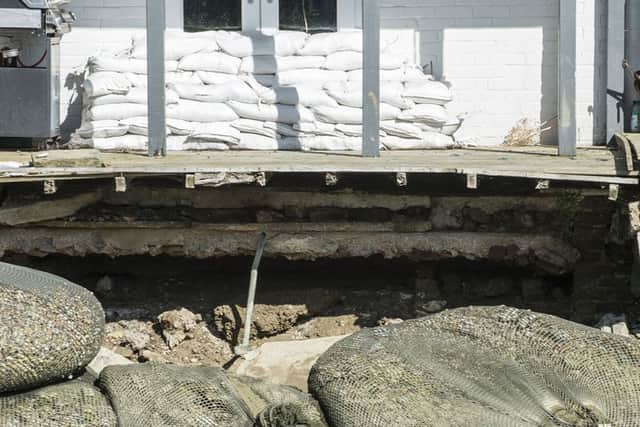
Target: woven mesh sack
[
  {"x": 160, "y": 395},
  {"x": 71, "y": 404},
  {"x": 488, "y": 367},
  {"x": 273, "y": 405},
  {"x": 49, "y": 328}
]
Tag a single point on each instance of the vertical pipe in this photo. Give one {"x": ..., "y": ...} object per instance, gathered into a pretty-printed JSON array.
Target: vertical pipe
[
  {"x": 632, "y": 55},
  {"x": 615, "y": 72},
  {"x": 371, "y": 78},
  {"x": 253, "y": 283},
  {"x": 567, "y": 124},
  {"x": 156, "y": 24}
]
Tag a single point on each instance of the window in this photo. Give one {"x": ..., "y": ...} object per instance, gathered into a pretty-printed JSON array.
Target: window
[
  {"x": 203, "y": 15},
  {"x": 311, "y": 16},
  {"x": 249, "y": 15}
]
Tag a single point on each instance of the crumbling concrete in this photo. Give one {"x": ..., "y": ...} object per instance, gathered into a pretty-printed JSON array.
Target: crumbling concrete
[{"x": 545, "y": 252}]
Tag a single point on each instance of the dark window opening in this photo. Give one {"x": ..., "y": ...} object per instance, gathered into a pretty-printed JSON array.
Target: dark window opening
[
  {"x": 204, "y": 15},
  {"x": 311, "y": 16}
]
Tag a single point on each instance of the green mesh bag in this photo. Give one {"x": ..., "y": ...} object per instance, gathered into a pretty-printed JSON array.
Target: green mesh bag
[
  {"x": 49, "y": 328},
  {"x": 71, "y": 404},
  {"x": 167, "y": 395},
  {"x": 480, "y": 367}
]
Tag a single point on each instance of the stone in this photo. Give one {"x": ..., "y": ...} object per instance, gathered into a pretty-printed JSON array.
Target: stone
[
  {"x": 498, "y": 287},
  {"x": 534, "y": 289},
  {"x": 104, "y": 285},
  {"x": 151, "y": 356},
  {"x": 431, "y": 307},
  {"x": 286, "y": 362},
  {"x": 385, "y": 321},
  {"x": 137, "y": 340},
  {"x": 615, "y": 324},
  {"x": 177, "y": 325},
  {"x": 104, "y": 358}
]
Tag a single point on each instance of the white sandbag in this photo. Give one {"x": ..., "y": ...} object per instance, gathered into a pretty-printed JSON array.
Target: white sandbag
[
  {"x": 350, "y": 115},
  {"x": 216, "y": 132},
  {"x": 102, "y": 129},
  {"x": 235, "y": 90},
  {"x": 309, "y": 76},
  {"x": 255, "y": 126},
  {"x": 122, "y": 143},
  {"x": 401, "y": 129},
  {"x": 349, "y": 93},
  {"x": 316, "y": 128},
  {"x": 252, "y": 141},
  {"x": 137, "y": 95},
  {"x": 138, "y": 125},
  {"x": 430, "y": 113},
  {"x": 327, "y": 143},
  {"x": 181, "y": 127},
  {"x": 428, "y": 92},
  {"x": 323, "y": 44},
  {"x": 125, "y": 65},
  {"x": 175, "y": 143},
  {"x": 282, "y": 129},
  {"x": 197, "y": 145},
  {"x": 268, "y": 64},
  {"x": 354, "y": 130},
  {"x": 453, "y": 124},
  {"x": 218, "y": 62},
  {"x": 175, "y": 47},
  {"x": 213, "y": 78},
  {"x": 428, "y": 140},
  {"x": 240, "y": 45},
  {"x": 385, "y": 75},
  {"x": 272, "y": 113},
  {"x": 428, "y": 127},
  {"x": 307, "y": 95},
  {"x": 351, "y": 60},
  {"x": 194, "y": 111},
  {"x": 115, "y": 111},
  {"x": 106, "y": 83}
]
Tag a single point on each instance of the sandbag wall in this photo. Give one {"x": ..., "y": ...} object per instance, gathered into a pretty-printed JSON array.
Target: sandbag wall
[{"x": 286, "y": 91}]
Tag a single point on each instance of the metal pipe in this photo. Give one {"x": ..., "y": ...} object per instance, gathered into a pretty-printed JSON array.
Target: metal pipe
[
  {"x": 632, "y": 56},
  {"x": 371, "y": 78},
  {"x": 567, "y": 123},
  {"x": 615, "y": 72},
  {"x": 253, "y": 283},
  {"x": 156, "y": 24}
]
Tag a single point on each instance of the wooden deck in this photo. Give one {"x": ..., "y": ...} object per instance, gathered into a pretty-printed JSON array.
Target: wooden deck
[{"x": 596, "y": 165}]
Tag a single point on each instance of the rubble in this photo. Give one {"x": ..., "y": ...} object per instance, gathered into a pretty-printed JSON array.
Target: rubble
[
  {"x": 178, "y": 325},
  {"x": 614, "y": 324}
]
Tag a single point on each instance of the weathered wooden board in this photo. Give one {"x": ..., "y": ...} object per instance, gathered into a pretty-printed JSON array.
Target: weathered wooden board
[{"x": 599, "y": 165}]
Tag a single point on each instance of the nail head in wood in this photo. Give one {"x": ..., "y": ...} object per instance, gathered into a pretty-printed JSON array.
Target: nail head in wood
[
  {"x": 121, "y": 184},
  {"x": 50, "y": 187}
]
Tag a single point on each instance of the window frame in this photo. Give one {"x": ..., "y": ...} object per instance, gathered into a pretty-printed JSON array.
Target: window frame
[{"x": 263, "y": 15}]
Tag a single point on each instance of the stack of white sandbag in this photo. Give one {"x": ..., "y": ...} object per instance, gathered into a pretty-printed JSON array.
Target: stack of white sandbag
[{"x": 286, "y": 91}]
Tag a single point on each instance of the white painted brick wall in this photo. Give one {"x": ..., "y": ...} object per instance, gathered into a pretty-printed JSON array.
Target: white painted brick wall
[{"x": 500, "y": 55}]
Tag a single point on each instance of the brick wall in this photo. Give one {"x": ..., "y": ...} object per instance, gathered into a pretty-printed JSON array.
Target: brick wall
[{"x": 500, "y": 55}]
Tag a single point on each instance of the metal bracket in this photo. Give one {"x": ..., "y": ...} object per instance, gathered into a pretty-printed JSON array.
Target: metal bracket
[
  {"x": 50, "y": 187},
  {"x": 190, "y": 181},
  {"x": 402, "y": 180},
  {"x": 614, "y": 192},
  {"x": 472, "y": 181},
  {"x": 245, "y": 348},
  {"x": 331, "y": 179},
  {"x": 121, "y": 184}
]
